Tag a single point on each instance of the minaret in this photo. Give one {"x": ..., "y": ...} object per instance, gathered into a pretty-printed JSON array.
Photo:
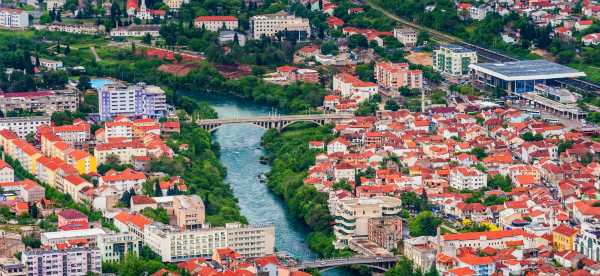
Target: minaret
[{"x": 143, "y": 6}]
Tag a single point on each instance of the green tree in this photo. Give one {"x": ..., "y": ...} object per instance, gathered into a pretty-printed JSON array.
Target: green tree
[
  {"x": 499, "y": 181},
  {"x": 84, "y": 83},
  {"x": 329, "y": 48},
  {"x": 528, "y": 136},
  {"x": 392, "y": 105},
  {"x": 424, "y": 224},
  {"x": 479, "y": 153},
  {"x": 357, "y": 41}
]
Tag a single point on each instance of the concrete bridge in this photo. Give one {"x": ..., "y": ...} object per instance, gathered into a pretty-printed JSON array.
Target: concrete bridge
[
  {"x": 381, "y": 263},
  {"x": 278, "y": 122}
]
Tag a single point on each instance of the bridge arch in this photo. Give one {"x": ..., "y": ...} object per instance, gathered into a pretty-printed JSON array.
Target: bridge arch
[{"x": 383, "y": 269}]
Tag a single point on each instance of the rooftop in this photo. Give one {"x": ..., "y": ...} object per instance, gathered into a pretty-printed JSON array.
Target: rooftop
[{"x": 527, "y": 70}]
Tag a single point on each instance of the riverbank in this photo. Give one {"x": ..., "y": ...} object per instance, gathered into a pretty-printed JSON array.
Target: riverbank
[{"x": 290, "y": 159}]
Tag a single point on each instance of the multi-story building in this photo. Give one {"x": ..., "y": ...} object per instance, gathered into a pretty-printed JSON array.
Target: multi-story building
[
  {"x": 215, "y": 23},
  {"x": 73, "y": 261},
  {"x": 123, "y": 181},
  {"x": 352, "y": 216},
  {"x": 467, "y": 178},
  {"x": 13, "y": 18},
  {"x": 91, "y": 236},
  {"x": 453, "y": 60},
  {"x": 386, "y": 231},
  {"x": 587, "y": 241},
  {"x": 352, "y": 87},
  {"x": 174, "y": 244},
  {"x": 135, "y": 100},
  {"x": 393, "y": 76},
  {"x": 27, "y": 190},
  {"x": 12, "y": 267},
  {"x": 563, "y": 238},
  {"x": 125, "y": 151},
  {"x": 114, "y": 246},
  {"x": 421, "y": 251},
  {"x": 23, "y": 125},
  {"x": 271, "y": 24},
  {"x": 55, "y": 4},
  {"x": 47, "y": 102},
  {"x": 72, "y": 219},
  {"x": 136, "y": 31},
  {"x": 406, "y": 36},
  {"x": 174, "y": 4},
  {"x": 188, "y": 211},
  {"x": 7, "y": 173},
  {"x": 480, "y": 240},
  {"x": 50, "y": 65},
  {"x": 90, "y": 29}
]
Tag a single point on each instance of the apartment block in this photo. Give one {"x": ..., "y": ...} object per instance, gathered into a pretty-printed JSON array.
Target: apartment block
[
  {"x": 23, "y": 125},
  {"x": 188, "y": 211},
  {"x": 406, "y": 36},
  {"x": 135, "y": 100},
  {"x": 174, "y": 244},
  {"x": 386, "y": 232},
  {"x": 453, "y": 60},
  {"x": 47, "y": 102},
  {"x": 114, "y": 246},
  {"x": 13, "y": 18},
  {"x": 467, "y": 178},
  {"x": 73, "y": 261},
  {"x": 125, "y": 151},
  {"x": 271, "y": 24},
  {"x": 352, "y": 216},
  {"x": 215, "y": 23},
  {"x": 393, "y": 76},
  {"x": 352, "y": 87}
]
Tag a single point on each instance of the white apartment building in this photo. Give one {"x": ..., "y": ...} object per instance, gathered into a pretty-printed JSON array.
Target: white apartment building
[
  {"x": 215, "y": 23},
  {"x": 481, "y": 240},
  {"x": 13, "y": 18},
  {"x": 406, "y": 36},
  {"x": 73, "y": 261},
  {"x": 174, "y": 4},
  {"x": 352, "y": 216},
  {"x": 114, "y": 246},
  {"x": 51, "y": 65},
  {"x": 453, "y": 60},
  {"x": 91, "y": 235},
  {"x": 174, "y": 244},
  {"x": 270, "y": 24},
  {"x": 467, "y": 178},
  {"x": 23, "y": 125},
  {"x": 120, "y": 129},
  {"x": 40, "y": 101},
  {"x": 351, "y": 87},
  {"x": 136, "y": 31}
]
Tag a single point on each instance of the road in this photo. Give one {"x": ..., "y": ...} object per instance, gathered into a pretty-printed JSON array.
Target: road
[{"x": 93, "y": 49}]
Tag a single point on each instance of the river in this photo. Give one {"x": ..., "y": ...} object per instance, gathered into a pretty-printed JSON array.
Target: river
[{"x": 240, "y": 153}]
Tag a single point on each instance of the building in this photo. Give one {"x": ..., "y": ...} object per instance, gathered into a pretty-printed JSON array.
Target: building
[
  {"x": 91, "y": 236},
  {"x": 188, "y": 211},
  {"x": 352, "y": 216},
  {"x": 23, "y": 126},
  {"x": 215, "y": 23},
  {"x": 71, "y": 219},
  {"x": 27, "y": 190},
  {"x": 480, "y": 240},
  {"x": 350, "y": 86},
  {"x": 123, "y": 181},
  {"x": 560, "y": 101},
  {"x": 55, "y": 4},
  {"x": 13, "y": 18},
  {"x": 229, "y": 36},
  {"x": 587, "y": 242},
  {"x": 47, "y": 102},
  {"x": 563, "y": 238},
  {"x": 406, "y": 36},
  {"x": 12, "y": 267},
  {"x": 7, "y": 174},
  {"x": 114, "y": 246},
  {"x": 90, "y": 29},
  {"x": 270, "y": 24},
  {"x": 73, "y": 261},
  {"x": 250, "y": 241},
  {"x": 135, "y": 100},
  {"x": 421, "y": 251},
  {"x": 125, "y": 151},
  {"x": 386, "y": 232},
  {"x": 393, "y": 76},
  {"x": 453, "y": 60},
  {"x": 519, "y": 76},
  {"x": 174, "y": 4},
  {"x": 467, "y": 178},
  {"x": 50, "y": 65},
  {"x": 136, "y": 31}
]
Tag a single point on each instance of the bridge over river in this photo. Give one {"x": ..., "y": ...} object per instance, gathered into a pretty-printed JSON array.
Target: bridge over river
[
  {"x": 381, "y": 263},
  {"x": 278, "y": 122}
]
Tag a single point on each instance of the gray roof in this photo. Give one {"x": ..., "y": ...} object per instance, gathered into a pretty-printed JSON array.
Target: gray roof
[
  {"x": 456, "y": 48},
  {"x": 527, "y": 70}
]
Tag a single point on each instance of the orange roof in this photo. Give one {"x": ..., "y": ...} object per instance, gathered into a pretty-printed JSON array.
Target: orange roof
[
  {"x": 127, "y": 174},
  {"x": 138, "y": 220},
  {"x": 565, "y": 230},
  {"x": 216, "y": 18},
  {"x": 475, "y": 260},
  {"x": 461, "y": 271},
  {"x": 490, "y": 235}
]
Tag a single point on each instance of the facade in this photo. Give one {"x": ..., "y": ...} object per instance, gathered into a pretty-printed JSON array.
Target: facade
[
  {"x": 421, "y": 251},
  {"x": 393, "y": 76},
  {"x": 7, "y": 174},
  {"x": 23, "y": 125},
  {"x": 125, "y": 151},
  {"x": 453, "y": 60},
  {"x": 406, "y": 36},
  {"x": 467, "y": 178},
  {"x": 386, "y": 232},
  {"x": 47, "y": 102},
  {"x": 215, "y": 23},
  {"x": 114, "y": 246},
  {"x": 12, "y": 267},
  {"x": 13, "y": 18},
  {"x": 188, "y": 211},
  {"x": 587, "y": 241},
  {"x": 270, "y": 24},
  {"x": 250, "y": 241},
  {"x": 71, "y": 28},
  {"x": 136, "y": 31},
  {"x": 90, "y": 235},
  {"x": 563, "y": 238},
  {"x": 519, "y": 76},
  {"x": 72, "y": 219},
  {"x": 136, "y": 100},
  {"x": 350, "y": 86},
  {"x": 352, "y": 216},
  {"x": 50, "y": 65},
  {"x": 74, "y": 261},
  {"x": 481, "y": 240}
]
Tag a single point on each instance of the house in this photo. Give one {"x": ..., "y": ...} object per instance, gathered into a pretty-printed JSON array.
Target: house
[
  {"x": 140, "y": 202},
  {"x": 591, "y": 39},
  {"x": 563, "y": 238},
  {"x": 70, "y": 219},
  {"x": 467, "y": 178},
  {"x": 338, "y": 145},
  {"x": 123, "y": 181},
  {"x": 583, "y": 24},
  {"x": 7, "y": 174}
]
